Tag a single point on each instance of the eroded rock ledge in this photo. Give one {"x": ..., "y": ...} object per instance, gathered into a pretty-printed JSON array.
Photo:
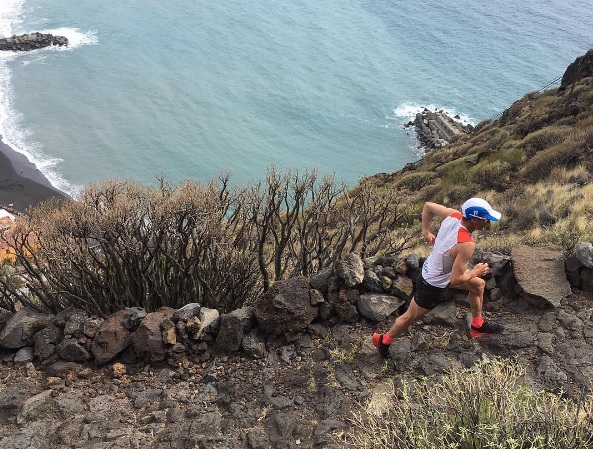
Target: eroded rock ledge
[
  {"x": 436, "y": 129},
  {"x": 33, "y": 41}
]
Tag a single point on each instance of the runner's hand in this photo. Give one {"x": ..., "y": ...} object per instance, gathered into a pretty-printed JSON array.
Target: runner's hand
[
  {"x": 429, "y": 238},
  {"x": 480, "y": 269}
]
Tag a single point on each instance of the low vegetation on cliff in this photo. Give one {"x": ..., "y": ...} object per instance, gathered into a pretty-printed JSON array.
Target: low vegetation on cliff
[{"x": 534, "y": 163}]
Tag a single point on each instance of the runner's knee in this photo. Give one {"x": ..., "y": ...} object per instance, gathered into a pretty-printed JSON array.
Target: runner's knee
[{"x": 479, "y": 285}]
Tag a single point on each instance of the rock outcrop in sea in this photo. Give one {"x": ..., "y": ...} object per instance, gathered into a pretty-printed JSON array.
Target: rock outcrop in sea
[
  {"x": 32, "y": 41},
  {"x": 435, "y": 129}
]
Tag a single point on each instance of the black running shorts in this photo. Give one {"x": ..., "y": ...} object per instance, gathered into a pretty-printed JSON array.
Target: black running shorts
[{"x": 428, "y": 296}]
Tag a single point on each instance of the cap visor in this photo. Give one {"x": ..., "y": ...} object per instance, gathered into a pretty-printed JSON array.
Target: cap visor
[{"x": 494, "y": 215}]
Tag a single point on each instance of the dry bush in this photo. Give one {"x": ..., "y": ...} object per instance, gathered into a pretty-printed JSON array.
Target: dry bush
[
  {"x": 509, "y": 153},
  {"x": 512, "y": 114},
  {"x": 455, "y": 193},
  {"x": 488, "y": 406},
  {"x": 540, "y": 166},
  {"x": 457, "y": 138},
  {"x": 123, "y": 244},
  {"x": 415, "y": 181},
  {"x": 457, "y": 171},
  {"x": 544, "y": 138},
  {"x": 127, "y": 245},
  {"x": 494, "y": 175},
  {"x": 9, "y": 277},
  {"x": 588, "y": 97},
  {"x": 577, "y": 175},
  {"x": 483, "y": 125},
  {"x": 372, "y": 221}
]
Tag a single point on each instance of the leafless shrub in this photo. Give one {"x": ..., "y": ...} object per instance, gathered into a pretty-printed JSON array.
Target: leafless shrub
[
  {"x": 123, "y": 244},
  {"x": 127, "y": 245}
]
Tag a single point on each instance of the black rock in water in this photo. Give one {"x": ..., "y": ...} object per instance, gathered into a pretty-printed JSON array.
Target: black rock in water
[{"x": 33, "y": 41}]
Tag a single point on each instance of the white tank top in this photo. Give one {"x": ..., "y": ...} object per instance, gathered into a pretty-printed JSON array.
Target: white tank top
[{"x": 437, "y": 267}]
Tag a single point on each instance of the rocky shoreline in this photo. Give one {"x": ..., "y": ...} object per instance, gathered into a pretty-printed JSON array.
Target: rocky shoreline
[
  {"x": 32, "y": 41},
  {"x": 435, "y": 129}
]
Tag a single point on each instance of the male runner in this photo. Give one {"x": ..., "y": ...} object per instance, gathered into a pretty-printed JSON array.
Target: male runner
[{"x": 447, "y": 265}]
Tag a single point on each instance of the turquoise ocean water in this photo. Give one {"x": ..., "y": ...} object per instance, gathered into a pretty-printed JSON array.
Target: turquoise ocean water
[{"x": 189, "y": 89}]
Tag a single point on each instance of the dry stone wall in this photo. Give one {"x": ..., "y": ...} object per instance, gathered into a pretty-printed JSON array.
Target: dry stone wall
[
  {"x": 230, "y": 381},
  {"x": 356, "y": 291}
]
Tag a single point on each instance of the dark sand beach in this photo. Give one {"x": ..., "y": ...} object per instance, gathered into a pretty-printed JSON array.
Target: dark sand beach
[{"x": 21, "y": 183}]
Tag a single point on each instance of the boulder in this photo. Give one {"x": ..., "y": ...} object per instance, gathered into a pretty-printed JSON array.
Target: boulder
[
  {"x": 31, "y": 41},
  {"x": 233, "y": 326},
  {"x": 46, "y": 340},
  {"x": 413, "y": 262},
  {"x": 320, "y": 280},
  {"x": 350, "y": 269},
  {"x": 572, "y": 264},
  {"x": 21, "y": 327},
  {"x": 112, "y": 337},
  {"x": 346, "y": 312},
  {"x": 444, "y": 314},
  {"x": 582, "y": 67},
  {"x": 24, "y": 355},
  {"x": 372, "y": 282},
  {"x": 345, "y": 307},
  {"x": 72, "y": 351},
  {"x": 148, "y": 338},
  {"x": 254, "y": 344},
  {"x": 286, "y": 306},
  {"x": 4, "y": 318},
  {"x": 540, "y": 274},
  {"x": 583, "y": 251},
  {"x": 585, "y": 279},
  {"x": 209, "y": 321},
  {"x": 402, "y": 287},
  {"x": 186, "y": 312},
  {"x": 316, "y": 297},
  {"x": 377, "y": 307},
  {"x": 133, "y": 320},
  {"x": 74, "y": 325},
  {"x": 36, "y": 407},
  {"x": 168, "y": 332}
]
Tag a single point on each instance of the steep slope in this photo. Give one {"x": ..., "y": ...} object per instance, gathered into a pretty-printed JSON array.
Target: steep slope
[{"x": 535, "y": 163}]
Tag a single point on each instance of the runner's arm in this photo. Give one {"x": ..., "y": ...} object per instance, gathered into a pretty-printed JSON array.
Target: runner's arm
[
  {"x": 429, "y": 211},
  {"x": 459, "y": 273}
]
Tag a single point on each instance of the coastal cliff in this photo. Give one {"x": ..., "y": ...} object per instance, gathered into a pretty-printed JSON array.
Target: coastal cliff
[{"x": 290, "y": 368}]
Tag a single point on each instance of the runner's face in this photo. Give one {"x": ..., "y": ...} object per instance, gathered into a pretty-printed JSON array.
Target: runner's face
[{"x": 481, "y": 223}]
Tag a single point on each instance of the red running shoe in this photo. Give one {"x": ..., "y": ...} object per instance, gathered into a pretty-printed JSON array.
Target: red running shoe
[
  {"x": 486, "y": 329},
  {"x": 382, "y": 348}
]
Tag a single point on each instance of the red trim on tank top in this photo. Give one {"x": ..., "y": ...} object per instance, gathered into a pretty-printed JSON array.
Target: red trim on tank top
[{"x": 463, "y": 235}]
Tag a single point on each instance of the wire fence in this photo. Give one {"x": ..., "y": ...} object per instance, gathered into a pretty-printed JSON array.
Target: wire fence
[{"x": 541, "y": 89}]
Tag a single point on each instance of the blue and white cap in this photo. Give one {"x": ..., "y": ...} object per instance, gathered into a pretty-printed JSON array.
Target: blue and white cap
[{"x": 479, "y": 208}]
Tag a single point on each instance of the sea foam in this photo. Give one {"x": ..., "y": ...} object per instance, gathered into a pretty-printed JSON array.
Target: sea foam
[
  {"x": 10, "y": 15},
  {"x": 408, "y": 111}
]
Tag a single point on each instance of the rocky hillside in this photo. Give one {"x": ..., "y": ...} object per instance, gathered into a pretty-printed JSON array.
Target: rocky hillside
[
  {"x": 534, "y": 164},
  {"x": 290, "y": 371}
]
